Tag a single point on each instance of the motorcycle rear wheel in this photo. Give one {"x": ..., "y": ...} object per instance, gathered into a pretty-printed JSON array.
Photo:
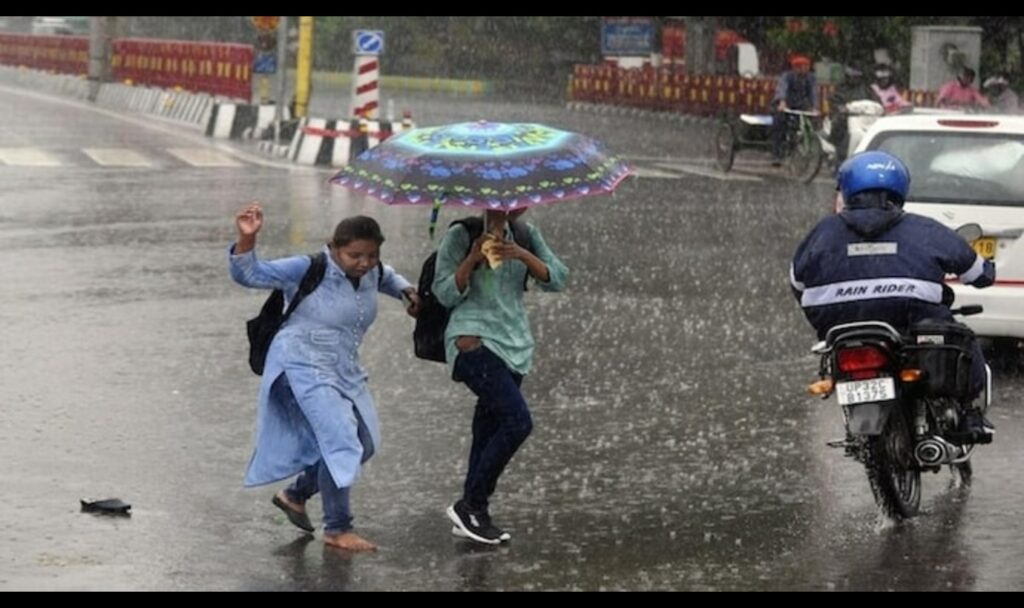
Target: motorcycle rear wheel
[{"x": 894, "y": 477}]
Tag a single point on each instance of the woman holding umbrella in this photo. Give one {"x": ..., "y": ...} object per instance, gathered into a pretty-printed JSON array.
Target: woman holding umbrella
[
  {"x": 502, "y": 168},
  {"x": 490, "y": 348}
]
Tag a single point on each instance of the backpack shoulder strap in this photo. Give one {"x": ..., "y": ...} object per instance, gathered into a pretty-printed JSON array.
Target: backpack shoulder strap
[
  {"x": 380, "y": 274},
  {"x": 473, "y": 225},
  {"x": 310, "y": 281},
  {"x": 521, "y": 234}
]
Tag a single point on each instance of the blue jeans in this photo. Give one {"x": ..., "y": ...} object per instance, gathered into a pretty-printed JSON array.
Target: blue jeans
[
  {"x": 501, "y": 421},
  {"x": 317, "y": 478},
  {"x": 337, "y": 513}
]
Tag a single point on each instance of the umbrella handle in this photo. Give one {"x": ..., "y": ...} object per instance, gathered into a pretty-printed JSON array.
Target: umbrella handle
[{"x": 434, "y": 213}]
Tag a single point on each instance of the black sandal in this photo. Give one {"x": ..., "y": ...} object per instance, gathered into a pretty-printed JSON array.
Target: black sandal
[{"x": 298, "y": 518}]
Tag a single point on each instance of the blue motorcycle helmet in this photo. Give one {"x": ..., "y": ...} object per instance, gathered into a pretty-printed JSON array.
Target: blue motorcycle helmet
[{"x": 874, "y": 170}]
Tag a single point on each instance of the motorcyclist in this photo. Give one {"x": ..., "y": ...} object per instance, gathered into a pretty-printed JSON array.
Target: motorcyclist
[
  {"x": 960, "y": 92},
  {"x": 874, "y": 262},
  {"x": 852, "y": 88},
  {"x": 886, "y": 92}
]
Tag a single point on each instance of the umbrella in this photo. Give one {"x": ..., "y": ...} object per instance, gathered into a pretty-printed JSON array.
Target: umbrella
[{"x": 486, "y": 165}]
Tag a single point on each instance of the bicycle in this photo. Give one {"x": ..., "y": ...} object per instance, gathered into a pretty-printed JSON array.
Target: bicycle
[{"x": 802, "y": 150}]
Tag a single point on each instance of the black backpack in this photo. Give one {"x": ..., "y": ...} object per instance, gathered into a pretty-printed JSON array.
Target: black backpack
[
  {"x": 263, "y": 327},
  {"x": 428, "y": 336}
]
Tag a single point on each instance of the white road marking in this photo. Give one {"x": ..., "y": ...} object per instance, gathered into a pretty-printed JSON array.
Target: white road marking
[
  {"x": 204, "y": 157},
  {"x": 117, "y": 157},
  {"x": 677, "y": 170},
  {"x": 28, "y": 157}
]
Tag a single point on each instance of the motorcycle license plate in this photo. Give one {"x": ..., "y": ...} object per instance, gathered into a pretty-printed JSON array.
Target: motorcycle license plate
[{"x": 865, "y": 391}]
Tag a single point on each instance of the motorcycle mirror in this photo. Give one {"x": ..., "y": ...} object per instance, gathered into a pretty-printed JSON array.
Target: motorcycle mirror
[
  {"x": 970, "y": 232},
  {"x": 968, "y": 310}
]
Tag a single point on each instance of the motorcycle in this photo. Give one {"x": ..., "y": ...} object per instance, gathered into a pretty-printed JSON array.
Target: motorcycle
[
  {"x": 860, "y": 115},
  {"x": 902, "y": 398}
]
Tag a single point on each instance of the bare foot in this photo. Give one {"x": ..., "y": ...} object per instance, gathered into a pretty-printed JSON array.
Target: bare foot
[
  {"x": 294, "y": 506},
  {"x": 350, "y": 541}
]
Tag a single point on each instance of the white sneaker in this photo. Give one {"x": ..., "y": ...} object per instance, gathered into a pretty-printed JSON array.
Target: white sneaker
[{"x": 457, "y": 531}]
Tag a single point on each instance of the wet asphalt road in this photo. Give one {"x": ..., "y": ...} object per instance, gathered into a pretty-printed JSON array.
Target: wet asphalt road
[{"x": 674, "y": 447}]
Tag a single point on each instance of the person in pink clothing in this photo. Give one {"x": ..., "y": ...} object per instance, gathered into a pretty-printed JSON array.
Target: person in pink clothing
[
  {"x": 960, "y": 93},
  {"x": 886, "y": 91}
]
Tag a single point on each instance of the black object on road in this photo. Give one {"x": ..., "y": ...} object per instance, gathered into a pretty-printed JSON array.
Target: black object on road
[{"x": 108, "y": 506}]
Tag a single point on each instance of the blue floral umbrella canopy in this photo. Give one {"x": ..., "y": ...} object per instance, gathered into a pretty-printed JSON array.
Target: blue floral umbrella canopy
[{"x": 487, "y": 165}]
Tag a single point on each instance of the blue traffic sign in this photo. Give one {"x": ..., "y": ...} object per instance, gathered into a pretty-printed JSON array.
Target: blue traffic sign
[
  {"x": 264, "y": 63},
  {"x": 627, "y": 36},
  {"x": 368, "y": 42}
]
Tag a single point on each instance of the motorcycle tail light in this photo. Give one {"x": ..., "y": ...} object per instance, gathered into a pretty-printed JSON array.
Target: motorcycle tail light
[
  {"x": 864, "y": 374},
  {"x": 861, "y": 359}
]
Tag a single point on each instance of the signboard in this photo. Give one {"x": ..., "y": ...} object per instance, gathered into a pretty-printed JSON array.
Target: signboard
[
  {"x": 627, "y": 36},
  {"x": 264, "y": 63},
  {"x": 368, "y": 42}
]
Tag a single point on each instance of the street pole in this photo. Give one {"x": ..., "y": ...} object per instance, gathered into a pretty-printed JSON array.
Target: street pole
[
  {"x": 101, "y": 33},
  {"x": 282, "y": 56},
  {"x": 700, "y": 44},
  {"x": 305, "y": 67}
]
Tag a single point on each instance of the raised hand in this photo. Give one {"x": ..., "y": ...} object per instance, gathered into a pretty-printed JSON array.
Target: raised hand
[{"x": 249, "y": 220}]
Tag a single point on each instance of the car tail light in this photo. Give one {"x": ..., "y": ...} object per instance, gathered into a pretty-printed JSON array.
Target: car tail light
[
  {"x": 968, "y": 124},
  {"x": 860, "y": 359}
]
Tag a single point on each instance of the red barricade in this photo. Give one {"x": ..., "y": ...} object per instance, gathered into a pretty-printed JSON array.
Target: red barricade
[
  {"x": 216, "y": 68},
  {"x": 668, "y": 89},
  {"x": 219, "y": 69},
  {"x": 62, "y": 54}
]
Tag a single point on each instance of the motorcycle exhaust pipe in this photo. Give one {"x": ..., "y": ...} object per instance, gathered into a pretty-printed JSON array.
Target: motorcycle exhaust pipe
[{"x": 934, "y": 451}]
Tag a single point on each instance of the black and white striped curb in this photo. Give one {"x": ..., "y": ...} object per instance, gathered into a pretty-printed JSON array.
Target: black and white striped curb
[
  {"x": 326, "y": 142},
  {"x": 241, "y": 121}
]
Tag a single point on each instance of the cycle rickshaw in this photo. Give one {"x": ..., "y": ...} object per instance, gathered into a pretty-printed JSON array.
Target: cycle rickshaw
[{"x": 801, "y": 150}]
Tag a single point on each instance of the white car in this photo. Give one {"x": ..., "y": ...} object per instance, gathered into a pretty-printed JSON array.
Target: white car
[{"x": 969, "y": 168}]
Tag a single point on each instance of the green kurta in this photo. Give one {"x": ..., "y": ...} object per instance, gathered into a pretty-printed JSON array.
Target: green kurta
[{"x": 492, "y": 305}]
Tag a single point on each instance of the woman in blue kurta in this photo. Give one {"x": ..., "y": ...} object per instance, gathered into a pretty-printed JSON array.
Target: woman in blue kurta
[{"x": 316, "y": 415}]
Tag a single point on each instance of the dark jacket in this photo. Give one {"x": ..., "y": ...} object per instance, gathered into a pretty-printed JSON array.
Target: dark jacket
[
  {"x": 848, "y": 91},
  {"x": 874, "y": 263},
  {"x": 799, "y": 91}
]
